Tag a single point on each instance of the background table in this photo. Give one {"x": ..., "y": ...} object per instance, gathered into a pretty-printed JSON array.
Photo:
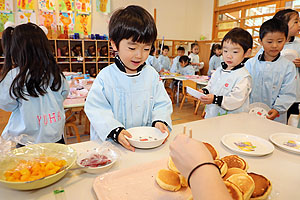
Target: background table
[{"x": 281, "y": 167}]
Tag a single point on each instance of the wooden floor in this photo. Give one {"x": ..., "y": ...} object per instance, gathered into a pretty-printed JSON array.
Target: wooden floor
[{"x": 178, "y": 117}]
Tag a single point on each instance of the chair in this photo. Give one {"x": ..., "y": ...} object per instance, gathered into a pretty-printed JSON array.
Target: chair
[
  {"x": 169, "y": 88},
  {"x": 191, "y": 84},
  {"x": 70, "y": 123}
]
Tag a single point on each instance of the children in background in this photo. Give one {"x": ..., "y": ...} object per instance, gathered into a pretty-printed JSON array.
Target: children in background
[
  {"x": 128, "y": 93},
  {"x": 151, "y": 60},
  {"x": 273, "y": 75},
  {"x": 185, "y": 66},
  {"x": 230, "y": 85},
  {"x": 215, "y": 58},
  {"x": 164, "y": 60},
  {"x": 291, "y": 18},
  {"x": 195, "y": 58},
  {"x": 35, "y": 89},
  {"x": 176, "y": 67}
]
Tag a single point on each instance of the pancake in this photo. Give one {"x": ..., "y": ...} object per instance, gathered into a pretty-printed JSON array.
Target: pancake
[
  {"x": 235, "y": 161},
  {"x": 222, "y": 166},
  {"x": 232, "y": 171},
  {"x": 244, "y": 182},
  {"x": 183, "y": 181},
  {"x": 262, "y": 188},
  {"x": 234, "y": 191},
  {"x": 212, "y": 150},
  {"x": 172, "y": 166},
  {"x": 168, "y": 180}
]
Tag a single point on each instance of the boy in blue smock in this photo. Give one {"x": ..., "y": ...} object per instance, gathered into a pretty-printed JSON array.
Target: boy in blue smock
[
  {"x": 274, "y": 77},
  {"x": 176, "y": 64},
  {"x": 230, "y": 85},
  {"x": 164, "y": 60},
  {"x": 128, "y": 93}
]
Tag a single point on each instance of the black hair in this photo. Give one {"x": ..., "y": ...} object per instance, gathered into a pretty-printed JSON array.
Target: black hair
[
  {"x": 273, "y": 25},
  {"x": 132, "y": 22},
  {"x": 239, "y": 36},
  {"x": 193, "y": 45},
  {"x": 185, "y": 59},
  {"x": 165, "y": 47},
  {"x": 180, "y": 49},
  {"x": 152, "y": 50},
  {"x": 6, "y": 43},
  {"x": 285, "y": 15},
  {"x": 214, "y": 47},
  {"x": 32, "y": 53}
]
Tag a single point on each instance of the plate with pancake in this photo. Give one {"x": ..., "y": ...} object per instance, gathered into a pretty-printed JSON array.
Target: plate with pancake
[
  {"x": 249, "y": 145},
  {"x": 287, "y": 141}
]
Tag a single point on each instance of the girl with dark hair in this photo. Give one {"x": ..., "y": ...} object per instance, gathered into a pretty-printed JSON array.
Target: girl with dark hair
[
  {"x": 152, "y": 60},
  {"x": 215, "y": 58},
  {"x": 35, "y": 89},
  {"x": 186, "y": 67},
  {"x": 291, "y": 18}
]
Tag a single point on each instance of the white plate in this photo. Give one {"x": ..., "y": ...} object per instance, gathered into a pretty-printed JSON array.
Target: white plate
[
  {"x": 247, "y": 144},
  {"x": 259, "y": 109},
  {"x": 146, "y": 137},
  {"x": 287, "y": 141},
  {"x": 194, "y": 93},
  {"x": 289, "y": 54}
]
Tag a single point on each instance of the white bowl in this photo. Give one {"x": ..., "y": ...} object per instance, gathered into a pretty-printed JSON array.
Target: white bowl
[
  {"x": 109, "y": 153},
  {"x": 145, "y": 137}
]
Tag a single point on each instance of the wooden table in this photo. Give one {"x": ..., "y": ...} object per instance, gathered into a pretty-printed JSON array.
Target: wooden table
[{"x": 281, "y": 167}]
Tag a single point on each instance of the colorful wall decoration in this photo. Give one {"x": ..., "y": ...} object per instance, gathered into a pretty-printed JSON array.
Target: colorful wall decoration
[
  {"x": 4, "y": 17},
  {"x": 66, "y": 5},
  {"x": 25, "y": 4},
  {"x": 6, "y": 5},
  {"x": 67, "y": 21},
  {"x": 83, "y": 6},
  {"x": 83, "y": 24},
  {"x": 103, "y": 6},
  {"x": 46, "y": 5},
  {"x": 25, "y": 16},
  {"x": 47, "y": 19}
]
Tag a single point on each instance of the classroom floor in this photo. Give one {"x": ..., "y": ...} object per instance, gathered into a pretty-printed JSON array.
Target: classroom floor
[{"x": 178, "y": 117}]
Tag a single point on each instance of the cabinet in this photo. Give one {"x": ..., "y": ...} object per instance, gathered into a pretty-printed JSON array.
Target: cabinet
[{"x": 82, "y": 55}]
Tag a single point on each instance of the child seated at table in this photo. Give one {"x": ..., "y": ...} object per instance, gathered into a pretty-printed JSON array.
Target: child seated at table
[
  {"x": 230, "y": 85},
  {"x": 185, "y": 66},
  {"x": 128, "y": 93},
  {"x": 176, "y": 67},
  {"x": 274, "y": 77},
  {"x": 164, "y": 60}
]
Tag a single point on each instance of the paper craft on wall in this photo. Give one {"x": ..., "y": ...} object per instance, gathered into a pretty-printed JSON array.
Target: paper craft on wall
[
  {"x": 66, "y": 20},
  {"x": 25, "y": 4},
  {"x": 25, "y": 16},
  {"x": 103, "y": 6},
  {"x": 46, "y": 5},
  {"x": 4, "y": 17},
  {"x": 6, "y": 5},
  {"x": 83, "y": 23},
  {"x": 66, "y": 5},
  {"x": 48, "y": 20},
  {"x": 83, "y": 6}
]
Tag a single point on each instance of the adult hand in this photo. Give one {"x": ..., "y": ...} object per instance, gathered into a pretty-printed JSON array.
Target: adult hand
[
  {"x": 208, "y": 99},
  {"x": 163, "y": 128},
  {"x": 273, "y": 114},
  {"x": 187, "y": 153},
  {"x": 123, "y": 141}
]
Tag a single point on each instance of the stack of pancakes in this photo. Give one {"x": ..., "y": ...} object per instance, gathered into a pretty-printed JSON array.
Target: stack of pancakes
[{"x": 240, "y": 184}]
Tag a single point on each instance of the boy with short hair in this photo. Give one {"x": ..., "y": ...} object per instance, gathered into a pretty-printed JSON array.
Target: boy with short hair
[
  {"x": 164, "y": 60},
  {"x": 176, "y": 65},
  {"x": 230, "y": 85},
  {"x": 274, "y": 77},
  {"x": 128, "y": 93}
]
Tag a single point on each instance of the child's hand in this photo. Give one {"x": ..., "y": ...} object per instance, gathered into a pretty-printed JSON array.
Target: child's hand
[
  {"x": 200, "y": 90},
  {"x": 123, "y": 141},
  {"x": 163, "y": 128},
  {"x": 272, "y": 114},
  {"x": 297, "y": 62},
  {"x": 208, "y": 99}
]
